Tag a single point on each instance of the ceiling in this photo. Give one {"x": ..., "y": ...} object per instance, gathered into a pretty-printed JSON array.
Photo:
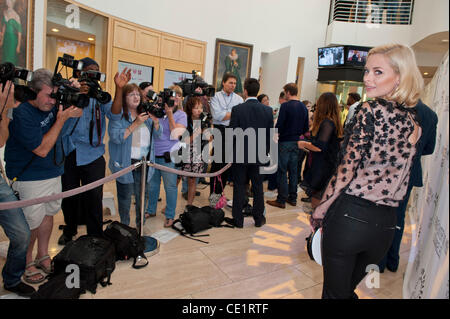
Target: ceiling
[{"x": 432, "y": 44}]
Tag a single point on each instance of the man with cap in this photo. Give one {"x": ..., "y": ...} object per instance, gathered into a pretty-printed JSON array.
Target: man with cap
[{"x": 84, "y": 163}]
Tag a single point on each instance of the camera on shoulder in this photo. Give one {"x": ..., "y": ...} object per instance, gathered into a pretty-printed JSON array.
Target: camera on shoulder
[
  {"x": 9, "y": 72},
  {"x": 190, "y": 86}
]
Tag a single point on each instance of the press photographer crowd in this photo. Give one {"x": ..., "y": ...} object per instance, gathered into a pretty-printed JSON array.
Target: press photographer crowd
[{"x": 349, "y": 160}]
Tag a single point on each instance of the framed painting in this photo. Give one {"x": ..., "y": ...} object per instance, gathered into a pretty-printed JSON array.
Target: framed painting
[
  {"x": 15, "y": 32},
  {"x": 235, "y": 58}
]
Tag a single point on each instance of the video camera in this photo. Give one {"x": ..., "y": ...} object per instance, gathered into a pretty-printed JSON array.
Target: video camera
[
  {"x": 157, "y": 101},
  {"x": 8, "y": 72},
  {"x": 67, "y": 95},
  {"x": 92, "y": 79},
  {"x": 190, "y": 85}
]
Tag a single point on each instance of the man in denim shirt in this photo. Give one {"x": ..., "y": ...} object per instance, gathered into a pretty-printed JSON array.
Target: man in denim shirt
[{"x": 85, "y": 163}]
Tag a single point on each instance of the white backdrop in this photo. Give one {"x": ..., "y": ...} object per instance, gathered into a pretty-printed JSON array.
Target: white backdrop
[{"x": 427, "y": 272}]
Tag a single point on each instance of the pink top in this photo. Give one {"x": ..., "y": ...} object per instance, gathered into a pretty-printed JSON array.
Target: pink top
[{"x": 377, "y": 156}]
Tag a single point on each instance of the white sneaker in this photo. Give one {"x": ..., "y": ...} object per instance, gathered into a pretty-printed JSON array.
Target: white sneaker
[
  {"x": 270, "y": 194},
  {"x": 230, "y": 203}
]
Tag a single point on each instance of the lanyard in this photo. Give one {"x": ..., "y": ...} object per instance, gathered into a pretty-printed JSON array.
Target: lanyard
[{"x": 92, "y": 124}]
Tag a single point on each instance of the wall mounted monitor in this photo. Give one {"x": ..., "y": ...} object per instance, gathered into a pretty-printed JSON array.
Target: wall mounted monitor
[
  {"x": 331, "y": 56},
  {"x": 356, "y": 56}
]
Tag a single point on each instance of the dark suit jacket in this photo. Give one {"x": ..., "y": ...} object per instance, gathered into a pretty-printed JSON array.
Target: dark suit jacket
[
  {"x": 428, "y": 122},
  {"x": 252, "y": 114}
]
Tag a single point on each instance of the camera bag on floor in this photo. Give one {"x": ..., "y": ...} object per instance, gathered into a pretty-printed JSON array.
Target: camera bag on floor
[
  {"x": 95, "y": 256},
  {"x": 57, "y": 288},
  {"x": 216, "y": 216},
  {"x": 193, "y": 221},
  {"x": 126, "y": 239}
]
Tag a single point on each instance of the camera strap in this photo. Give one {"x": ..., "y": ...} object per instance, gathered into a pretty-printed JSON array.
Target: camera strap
[{"x": 97, "y": 115}]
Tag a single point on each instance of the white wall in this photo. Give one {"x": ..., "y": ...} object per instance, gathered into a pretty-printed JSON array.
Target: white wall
[
  {"x": 275, "y": 66},
  {"x": 429, "y": 17},
  {"x": 268, "y": 25}
]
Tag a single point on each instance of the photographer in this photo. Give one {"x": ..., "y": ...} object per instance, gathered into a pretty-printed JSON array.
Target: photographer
[
  {"x": 84, "y": 164},
  {"x": 12, "y": 221},
  {"x": 33, "y": 158},
  {"x": 131, "y": 138},
  {"x": 173, "y": 125},
  {"x": 146, "y": 87}
]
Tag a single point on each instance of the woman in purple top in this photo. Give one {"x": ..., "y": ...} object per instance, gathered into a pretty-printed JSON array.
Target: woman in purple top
[{"x": 357, "y": 210}]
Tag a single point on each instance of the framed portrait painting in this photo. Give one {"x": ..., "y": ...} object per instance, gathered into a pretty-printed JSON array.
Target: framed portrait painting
[
  {"x": 15, "y": 19},
  {"x": 235, "y": 58}
]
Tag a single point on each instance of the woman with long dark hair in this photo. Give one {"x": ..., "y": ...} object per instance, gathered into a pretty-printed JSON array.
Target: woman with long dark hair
[
  {"x": 326, "y": 132},
  {"x": 358, "y": 208}
]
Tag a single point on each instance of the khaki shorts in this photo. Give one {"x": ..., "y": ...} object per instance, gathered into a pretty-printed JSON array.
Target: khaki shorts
[{"x": 35, "y": 189}]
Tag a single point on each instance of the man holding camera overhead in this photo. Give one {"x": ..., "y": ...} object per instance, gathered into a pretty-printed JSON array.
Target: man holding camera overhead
[
  {"x": 84, "y": 149},
  {"x": 34, "y": 158}
]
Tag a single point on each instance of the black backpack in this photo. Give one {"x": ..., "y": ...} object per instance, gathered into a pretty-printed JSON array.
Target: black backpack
[
  {"x": 56, "y": 288},
  {"x": 95, "y": 256},
  {"x": 216, "y": 217},
  {"x": 126, "y": 239},
  {"x": 193, "y": 221}
]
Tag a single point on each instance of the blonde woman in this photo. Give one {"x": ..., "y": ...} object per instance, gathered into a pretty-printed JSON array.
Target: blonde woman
[{"x": 358, "y": 208}]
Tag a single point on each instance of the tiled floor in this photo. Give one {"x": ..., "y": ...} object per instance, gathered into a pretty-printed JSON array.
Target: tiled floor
[{"x": 267, "y": 262}]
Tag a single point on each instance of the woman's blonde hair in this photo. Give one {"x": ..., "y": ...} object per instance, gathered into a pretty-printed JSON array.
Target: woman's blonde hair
[{"x": 401, "y": 58}]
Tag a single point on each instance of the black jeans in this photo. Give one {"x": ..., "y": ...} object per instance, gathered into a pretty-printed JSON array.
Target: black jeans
[
  {"x": 356, "y": 233},
  {"x": 89, "y": 204},
  {"x": 241, "y": 174}
]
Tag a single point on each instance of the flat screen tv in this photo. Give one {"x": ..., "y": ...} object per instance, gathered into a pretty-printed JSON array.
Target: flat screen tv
[
  {"x": 331, "y": 56},
  {"x": 356, "y": 56}
]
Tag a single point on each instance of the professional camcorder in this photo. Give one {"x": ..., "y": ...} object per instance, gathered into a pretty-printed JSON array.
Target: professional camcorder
[
  {"x": 67, "y": 95},
  {"x": 157, "y": 101},
  {"x": 8, "y": 72},
  {"x": 92, "y": 79},
  {"x": 190, "y": 85}
]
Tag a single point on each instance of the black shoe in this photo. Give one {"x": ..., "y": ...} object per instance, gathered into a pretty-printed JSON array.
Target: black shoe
[
  {"x": 159, "y": 199},
  {"x": 232, "y": 221},
  {"x": 306, "y": 199},
  {"x": 64, "y": 239},
  {"x": 22, "y": 289},
  {"x": 291, "y": 202},
  {"x": 260, "y": 222},
  {"x": 197, "y": 193}
]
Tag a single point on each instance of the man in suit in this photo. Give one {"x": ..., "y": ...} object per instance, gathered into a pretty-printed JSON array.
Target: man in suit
[
  {"x": 428, "y": 122},
  {"x": 254, "y": 116}
]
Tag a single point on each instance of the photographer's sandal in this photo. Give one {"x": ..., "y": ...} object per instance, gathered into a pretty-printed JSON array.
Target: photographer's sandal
[
  {"x": 40, "y": 265},
  {"x": 28, "y": 274}
]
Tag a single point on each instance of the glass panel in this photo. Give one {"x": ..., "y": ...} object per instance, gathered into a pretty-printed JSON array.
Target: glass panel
[{"x": 75, "y": 31}]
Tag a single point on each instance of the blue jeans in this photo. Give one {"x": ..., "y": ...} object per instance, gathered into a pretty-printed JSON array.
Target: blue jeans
[
  {"x": 124, "y": 192},
  {"x": 287, "y": 164},
  {"x": 17, "y": 230},
  {"x": 170, "y": 186}
]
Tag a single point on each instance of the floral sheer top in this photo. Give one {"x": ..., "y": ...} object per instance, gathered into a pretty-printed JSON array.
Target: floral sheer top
[{"x": 376, "y": 155}]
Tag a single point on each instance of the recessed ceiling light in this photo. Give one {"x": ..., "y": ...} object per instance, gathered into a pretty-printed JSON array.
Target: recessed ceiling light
[
  {"x": 425, "y": 73},
  {"x": 55, "y": 30},
  {"x": 445, "y": 40},
  {"x": 91, "y": 39}
]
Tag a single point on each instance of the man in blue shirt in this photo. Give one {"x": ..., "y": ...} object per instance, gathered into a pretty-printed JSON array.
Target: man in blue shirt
[
  {"x": 221, "y": 105},
  {"x": 34, "y": 160},
  {"x": 292, "y": 123},
  {"x": 85, "y": 164}
]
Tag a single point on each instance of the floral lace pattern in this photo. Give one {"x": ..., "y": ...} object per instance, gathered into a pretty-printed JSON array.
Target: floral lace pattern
[{"x": 376, "y": 156}]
